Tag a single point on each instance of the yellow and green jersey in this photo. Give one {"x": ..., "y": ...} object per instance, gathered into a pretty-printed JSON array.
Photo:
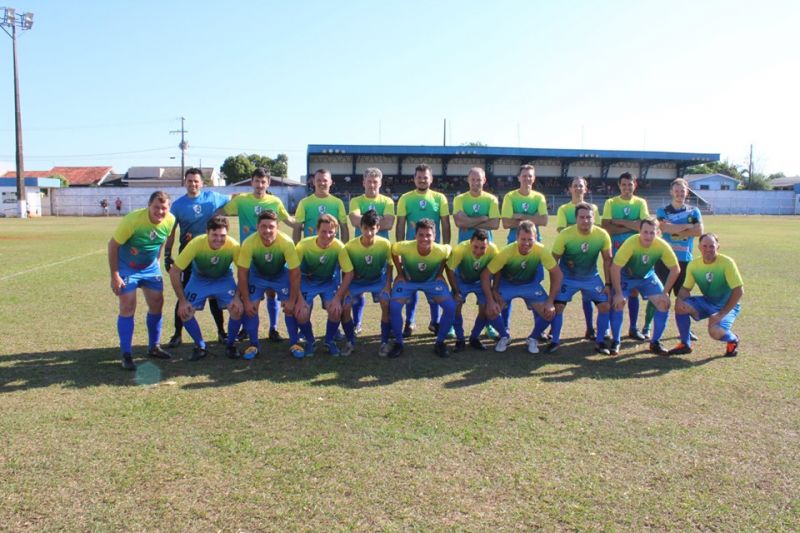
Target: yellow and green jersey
[
  {"x": 579, "y": 252},
  {"x": 248, "y": 207},
  {"x": 322, "y": 264},
  {"x": 206, "y": 262},
  {"x": 517, "y": 268},
  {"x": 415, "y": 206},
  {"x": 715, "y": 280},
  {"x": 421, "y": 268},
  {"x": 369, "y": 264},
  {"x": 618, "y": 209},
  {"x": 467, "y": 267},
  {"x": 140, "y": 240},
  {"x": 483, "y": 205},
  {"x": 383, "y": 205},
  {"x": 565, "y": 216},
  {"x": 637, "y": 262},
  {"x": 312, "y": 206},
  {"x": 516, "y": 203},
  {"x": 268, "y": 261}
]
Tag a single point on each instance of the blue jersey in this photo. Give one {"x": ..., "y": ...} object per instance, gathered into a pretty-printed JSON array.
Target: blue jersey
[
  {"x": 192, "y": 214},
  {"x": 682, "y": 246}
]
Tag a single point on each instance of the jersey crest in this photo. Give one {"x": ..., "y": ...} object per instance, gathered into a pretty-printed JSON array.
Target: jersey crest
[
  {"x": 523, "y": 265},
  {"x": 525, "y": 206},
  {"x": 214, "y": 259},
  {"x": 422, "y": 267},
  {"x": 321, "y": 209},
  {"x": 153, "y": 235},
  {"x": 322, "y": 259},
  {"x": 710, "y": 277},
  {"x": 268, "y": 257},
  {"x": 475, "y": 208},
  {"x": 476, "y": 265},
  {"x": 198, "y": 209},
  {"x": 371, "y": 207},
  {"x": 368, "y": 259},
  {"x": 423, "y": 204},
  {"x": 645, "y": 259},
  {"x": 584, "y": 247},
  {"x": 626, "y": 210},
  {"x": 257, "y": 210}
]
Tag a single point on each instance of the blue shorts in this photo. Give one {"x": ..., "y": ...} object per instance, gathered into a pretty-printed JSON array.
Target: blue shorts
[
  {"x": 375, "y": 288},
  {"x": 648, "y": 286},
  {"x": 199, "y": 289},
  {"x": 259, "y": 285},
  {"x": 591, "y": 289},
  {"x": 705, "y": 309},
  {"x": 471, "y": 288},
  {"x": 531, "y": 293},
  {"x": 432, "y": 289},
  {"x": 146, "y": 278},
  {"x": 326, "y": 290}
]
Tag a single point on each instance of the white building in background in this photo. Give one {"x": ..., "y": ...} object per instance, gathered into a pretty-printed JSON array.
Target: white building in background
[{"x": 711, "y": 182}]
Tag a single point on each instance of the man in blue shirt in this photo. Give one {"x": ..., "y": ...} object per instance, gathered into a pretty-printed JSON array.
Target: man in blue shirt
[{"x": 192, "y": 212}]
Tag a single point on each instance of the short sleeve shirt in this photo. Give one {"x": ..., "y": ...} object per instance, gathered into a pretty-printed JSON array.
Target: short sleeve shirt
[
  {"x": 517, "y": 268},
  {"x": 417, "y": 267},
  {"x": 483, "y": 205},
  {"x": 268, "y": 261},
  {"x": 618, "y": 209},
  {"x": 248, "y": 207},
  {"x": 369, "y": 263},
  {"x": 682, "y": 246},
  {"x": 311, "y": 207},
  {"x": 467, "y": 267},
  {"x": 193, "y": 214},
  {"x": 207, "y": 262},
  {"x": 637, "y": 262},
  {"x": 565, "y": 216},
  {"x": 579, "y": 252},
  {"x": 322, "y": 264},
  {"x": 715, "y": 280},
  {"x": 515, "y": 203},
  {"x": 383, "y": 205},
  {"x": 140, "y": 240},
  {"x": 415, "y": 206}
]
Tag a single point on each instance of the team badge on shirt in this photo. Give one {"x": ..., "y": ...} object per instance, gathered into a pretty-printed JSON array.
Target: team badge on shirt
[
  {"x": 153, "y": 235},
  {"x": 371, "y": 207},
  {"x": 645, "y": 259},
  {"x": 525, "y": 206},
  {"x": 584, "y": 247},
  {"x": 322, "y": 259},
  {"x": 198, "y": 209},
  {"x": 368, "y": 259},
  {"x": 475, "y": 208},
  {"x": 214, "y": 260},
  {"x": 321, "y": 209},
  {"x": 268, "y": 257},
  {"x": 709, "y": 277},
  {"x": 626, "y": 210},
  {"x": 523, "y": 265},
  {"x": 422, "y": 204},
  {"x": 422, "y": 267},
  {"x": 257, "y": 210},
  {"x": 476, "y": 265}
]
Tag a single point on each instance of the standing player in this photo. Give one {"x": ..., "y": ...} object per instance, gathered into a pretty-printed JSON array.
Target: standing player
[
  {"x": 370, "y": 256},
  {"x": 476, "y": 208},
  {"x": 721, "y": 286},
  {"x": 249, "y": 206},
  {"x": 517, "y": 274},
  {"x": 464, "y": 268},
  {"x": 621, "y": 216},
  {"x": 576, "y": 249},
  {"x": 633, "y": 269},
  {"x": 565, "y": 217},
  {"x": 320, "y": 202},
  {"x": 192, "y": 212},
  {"x": 268, "y": 262},
  {"x": 133, "y": 254},
  {"x": 524, "y": 204},
  {"x": 383, "y": 206},
  {"x": 419, "y": 265},
  {"x": 413, "y": 206},
  {"x": 680, "y": 224},
  {"x": 210, "y": 255}
]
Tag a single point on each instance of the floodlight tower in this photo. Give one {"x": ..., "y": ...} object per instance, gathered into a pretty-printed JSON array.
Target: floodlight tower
[{"x": 10, "y": 19}]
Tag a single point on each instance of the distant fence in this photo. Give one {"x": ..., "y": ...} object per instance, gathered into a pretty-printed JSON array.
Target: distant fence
[{"x": 752, "y": 202}]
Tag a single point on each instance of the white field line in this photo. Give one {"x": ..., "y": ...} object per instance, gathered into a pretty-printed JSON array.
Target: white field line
[{"x": 48, "y": 265}]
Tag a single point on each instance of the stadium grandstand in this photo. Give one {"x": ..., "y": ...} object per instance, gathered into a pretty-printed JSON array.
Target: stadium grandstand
[{"x": 555, "y": 168}]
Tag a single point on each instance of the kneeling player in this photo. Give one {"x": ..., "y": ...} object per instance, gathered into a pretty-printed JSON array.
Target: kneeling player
[
  {"x": 720, "y": 283},
  {"x": 210, "y": 257},
  {"x": 419, "y": 264},
  {"x": 633, "y": 269},
  {"x": 516, "y": 275}
]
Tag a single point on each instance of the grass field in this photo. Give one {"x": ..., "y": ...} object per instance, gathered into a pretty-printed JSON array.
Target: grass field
[{"x": 480, "y": 441}]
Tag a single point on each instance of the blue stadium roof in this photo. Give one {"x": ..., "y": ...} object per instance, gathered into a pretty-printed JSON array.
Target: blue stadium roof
[{"x": 45, "y": 183}]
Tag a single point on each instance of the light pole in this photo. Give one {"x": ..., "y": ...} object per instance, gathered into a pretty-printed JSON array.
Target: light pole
[
  {"x": 25, "y": 22},
  {"x": 184, "y": 146}
]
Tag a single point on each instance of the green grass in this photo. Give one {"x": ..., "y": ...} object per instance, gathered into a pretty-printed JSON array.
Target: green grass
[{"x": 481, "y": 441}]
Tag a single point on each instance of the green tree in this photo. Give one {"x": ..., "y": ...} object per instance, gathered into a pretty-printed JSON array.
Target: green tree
[
  {"x": 240, "y": 167},
  {"x": 64, "y": 181},
  {"x": 756, "y": 182},
  {"x": 717, "y": 167}
]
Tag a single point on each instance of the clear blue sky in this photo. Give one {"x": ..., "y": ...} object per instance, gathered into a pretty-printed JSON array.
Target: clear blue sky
[{"x": 103, "y": 82}]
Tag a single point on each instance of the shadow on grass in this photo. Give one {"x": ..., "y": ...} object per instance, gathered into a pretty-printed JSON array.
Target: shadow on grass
[{"x": 101, "y": 367}]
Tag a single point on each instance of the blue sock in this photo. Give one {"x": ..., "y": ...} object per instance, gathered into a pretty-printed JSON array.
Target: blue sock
[
  {"x": 539, "y": 325},
  {"x": 194, "y": 330},
  {"x": 396, "y": 317},
  {"x": 291, "y": 329},
  {"x": 272, "y": 312},
  {"x": 331, "y": 328},
  {"x": 555, "y": 329},
  {"x": 434, "y": 312},
  {"x": 588, "y": 313},
  {"x": 729, "y": 337},
  {"x": 480, "y": 323},
  {"x": 411, "y": 309},
  {"x": 602, "y": 326},
  {"x": 386, "y": 331},
  {"x": 307, "y": 332},
  {"x": 506, "y": 314},
  {"x": 234, "y": 326},
  {"x": 446, "y": 321},
  {"x": 358, "y": 309},
  {"x": 251, "y": 324},
  {"x": 684, "y": 323},
  {"x": 350, "y": 331},
  {"x": 633, "y": 311},
  {"x": 616, "y": 325},
  {"x": 154, "y": 323},
  {"x": 458, "y": 325},
  {"x": 499, "y": 325},
  {"x": 659, "y": 324},
  {"x": 125, "y": 332}
]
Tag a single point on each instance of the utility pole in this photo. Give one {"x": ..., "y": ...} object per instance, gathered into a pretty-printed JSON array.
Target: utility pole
[
  {"x": 750, "y": 167},
  {"x": 184, "y": 146},
  {"x": 444, "y": 133}
]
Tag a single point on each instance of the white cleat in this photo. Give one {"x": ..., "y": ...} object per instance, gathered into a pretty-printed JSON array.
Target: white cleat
[
  {"x": 502, "y": 344},
  {"x": 347, "y": 349},
  {"x": 385, "y": 348},
  {"x": 533, "y": 345}
]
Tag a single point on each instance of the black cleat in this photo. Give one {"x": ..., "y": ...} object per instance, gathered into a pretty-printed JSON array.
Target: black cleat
[
  {"x": 460, "y": 346},
  {"x": 434, "y": 329},
  {"x": 158, "y": 352},
  {"x": 198, "y": 353},
  {"x": 477, "y": 344},
  {"x": 408, "y": 330},
  {"x": 127, "y": 362},
  {"x": 544, "y": 337},
  {"x": 614, "y": 349},
  {"x": 552, "y": 347},
  {"x": 590, "y": 334},
  {"x": 692, "y": 336},
  {"x": 601, "y": 349},
  {"x": 175, "y": 341},
  {"x": 396, "y": 351},
  {"x": 274, "y": 336},
  {"x": 222, "y": 337},
  {"x": 231, "y": 352},
  {"x": 636, "y": 335},
  {"x": 732, "y": 348},
  {"x": 441, "y": 350},
  {"x": 658, "y": 349},
  {"x": 680, "y": 349}
]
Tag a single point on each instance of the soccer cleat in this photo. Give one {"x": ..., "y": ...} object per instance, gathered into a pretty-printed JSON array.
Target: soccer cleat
[
  {"x": 614, "y": 349},
  {"x": 502, "y": 344},
  {"x": 242, "y": 335},
  {"x": 543, "y": 337},
  {"x": 297, "y": 351},
  {"x": 385, "y": 348},
  {"x": 646, "y": 333},
  {"x": 339, "y": 336},
  {"x": 491, "y": 333},
  {"x": 636, "y": 335},
  {"x": 477, "y": 344},
  {"x": 692, "y": 336},
  {"x": 198, "y": 353},
  {"x": 600, "y": 348},
  {"x": 274, "y": 336},
  {"x": 332, "y": 348},
  {"x": 127, "y": 362},
  {"x": 680, "y": 349},
  {"x": 451, "y": 333},
  {"x": 441, "y": 350},
  {"x": 408, "y": 330},
  {"x": 460, "y": 346},
  {"x": 731, "y": 348},
  {"x": 358, "y": 329},
  {"x": 175, "y": 341},
  {"x": 250, "y": 353},
  {"x": 231, "y": 352},
  {"x": 433, "y": 328},
  {"x": 551, "y": 347},
  {"x": 533, "y": 345},
  {"x": 348, "y": 348},
  {"x": 310, "y": 348},
  {"x": 396, "y": 351},
  {"x": 658, "y": 349},
  {"x": 222, "y": 337},
  {"x": 589, "y": 334},
  {"x": 159, "y": 353}
]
